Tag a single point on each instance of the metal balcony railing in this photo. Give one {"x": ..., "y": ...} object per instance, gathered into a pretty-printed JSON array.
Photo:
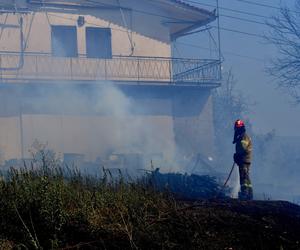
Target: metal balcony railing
[{"x": 33, "y": 66}]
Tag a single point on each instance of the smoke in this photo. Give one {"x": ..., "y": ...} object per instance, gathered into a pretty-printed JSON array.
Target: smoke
[
  {"x": 276, "y": 167},
  {"x": 112, "y": 101},
  {"x": 99, "y": 121},
  {"x": 234, "y": 183}
]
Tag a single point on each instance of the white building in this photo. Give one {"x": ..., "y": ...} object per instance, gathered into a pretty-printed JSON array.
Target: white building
[{"x": 98, "y": 78}]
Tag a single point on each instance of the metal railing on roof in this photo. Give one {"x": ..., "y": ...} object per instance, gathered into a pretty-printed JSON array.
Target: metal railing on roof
[{"x": 162, "y": 70}]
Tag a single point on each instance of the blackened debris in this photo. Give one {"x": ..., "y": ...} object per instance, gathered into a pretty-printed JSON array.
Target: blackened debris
[{"x": 186, "y": 186}]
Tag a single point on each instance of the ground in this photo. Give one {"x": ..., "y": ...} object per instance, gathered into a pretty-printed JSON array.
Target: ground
[
  {"x": 232, "y": 224},
  {"x": 48, "y": 208}
]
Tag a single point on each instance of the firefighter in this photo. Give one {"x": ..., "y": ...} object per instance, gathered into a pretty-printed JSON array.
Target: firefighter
[{"x": 242, "y": 157}]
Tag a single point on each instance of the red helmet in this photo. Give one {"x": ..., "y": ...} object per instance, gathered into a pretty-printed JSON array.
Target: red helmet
[{"x": 239, "y": 124}]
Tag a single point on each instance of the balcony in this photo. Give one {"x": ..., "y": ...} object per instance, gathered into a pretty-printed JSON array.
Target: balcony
[{"x": 140, "y": 70}]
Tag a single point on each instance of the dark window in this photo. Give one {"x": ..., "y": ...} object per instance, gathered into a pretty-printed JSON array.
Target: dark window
[
  {"x": 64, "y": 40},
  {"x": 98, "y": 42}
]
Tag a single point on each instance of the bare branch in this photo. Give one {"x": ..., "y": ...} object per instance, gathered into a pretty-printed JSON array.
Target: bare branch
[{"x": 285, "y": 36}]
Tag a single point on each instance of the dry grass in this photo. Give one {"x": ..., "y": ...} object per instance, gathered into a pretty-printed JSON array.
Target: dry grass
[{"x": 47, "y": 206}]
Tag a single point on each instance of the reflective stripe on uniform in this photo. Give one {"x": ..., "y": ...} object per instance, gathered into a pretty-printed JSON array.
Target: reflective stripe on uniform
[
  {"x": 245, "y": 144},
  {"x": 247, "y": 185}
]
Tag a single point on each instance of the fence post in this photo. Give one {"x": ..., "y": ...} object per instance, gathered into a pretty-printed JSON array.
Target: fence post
[
  {"x": 170, "y": 70},
  {"x": 71, "y": 69},
  {"x": 138, "y": 69},
  {"x": 36, "y": 66}
]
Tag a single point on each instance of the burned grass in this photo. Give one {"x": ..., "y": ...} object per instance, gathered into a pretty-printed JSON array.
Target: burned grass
[{"x": 49, "y": 208}]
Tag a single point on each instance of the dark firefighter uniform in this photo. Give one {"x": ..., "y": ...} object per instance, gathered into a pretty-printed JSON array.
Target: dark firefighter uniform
[{"x": 242, "y": 157}]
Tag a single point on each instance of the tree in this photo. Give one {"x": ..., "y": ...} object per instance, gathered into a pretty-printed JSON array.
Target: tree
[{"x": 285, "y": 35}]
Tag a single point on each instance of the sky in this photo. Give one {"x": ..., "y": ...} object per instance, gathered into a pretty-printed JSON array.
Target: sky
[{"x": 248, "y": 56}]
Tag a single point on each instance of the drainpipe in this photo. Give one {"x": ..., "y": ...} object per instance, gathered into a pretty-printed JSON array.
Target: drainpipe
[{"x": 21, "y": 127}]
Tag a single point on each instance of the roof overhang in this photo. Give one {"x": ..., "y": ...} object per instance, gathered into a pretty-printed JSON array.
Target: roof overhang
[{"x": 185, "y": 17}]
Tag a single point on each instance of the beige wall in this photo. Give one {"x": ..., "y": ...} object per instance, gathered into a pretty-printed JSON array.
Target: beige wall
[
  {"x": 10, "y": 143},
  {"x": 38, "y": 37},
  {"x": 92, "y": 136},
  {"x": 178, "y": 126},
  {"x": 193, "y": 123}
]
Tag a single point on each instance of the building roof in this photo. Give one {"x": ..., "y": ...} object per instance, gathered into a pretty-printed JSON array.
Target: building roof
[{"x": 189, "y": 6}]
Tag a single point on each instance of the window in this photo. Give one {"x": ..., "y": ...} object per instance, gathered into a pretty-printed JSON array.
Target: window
[
  {"x": 98, "y": 42},
  {"x": 64, "y": 41}
]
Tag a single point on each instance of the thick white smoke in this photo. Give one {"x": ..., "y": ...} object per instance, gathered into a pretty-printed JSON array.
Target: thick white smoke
[{"x": 97, "y": 121}]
